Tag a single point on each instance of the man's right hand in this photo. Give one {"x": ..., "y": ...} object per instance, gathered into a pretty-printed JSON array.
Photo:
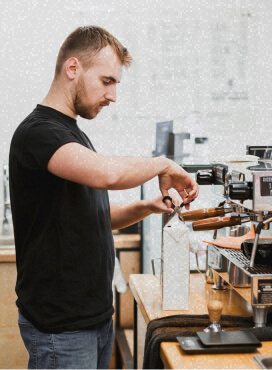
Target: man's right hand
[{"x": 174, "y": 176}]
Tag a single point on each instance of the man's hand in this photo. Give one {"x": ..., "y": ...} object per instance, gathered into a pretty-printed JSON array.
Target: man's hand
[
  {"x": 123, "y": 215},
  {"x": 156, "y": 205},
  {"x": 175, "y": 177}
]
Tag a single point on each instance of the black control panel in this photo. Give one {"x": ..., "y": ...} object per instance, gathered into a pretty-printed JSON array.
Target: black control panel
[
  {"x": 215, "y": 174},
  {"x": 236, "y": 189},
  {"x": 241, "y": 190}
]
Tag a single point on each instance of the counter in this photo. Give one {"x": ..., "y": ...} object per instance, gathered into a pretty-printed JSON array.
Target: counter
[
  {"x": 148, "y": 305},
  {"x": 174, "y": 358}
]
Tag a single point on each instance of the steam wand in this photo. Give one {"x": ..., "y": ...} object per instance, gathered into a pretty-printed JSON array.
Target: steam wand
[{"x": 257, "y": 234}]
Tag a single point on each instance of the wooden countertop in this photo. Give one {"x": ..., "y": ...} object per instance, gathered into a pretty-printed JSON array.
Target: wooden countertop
[
  {"x": 173, "y": 357},
  {"x": 147, "y": 293},
  {"x": 120, "y": 241}
]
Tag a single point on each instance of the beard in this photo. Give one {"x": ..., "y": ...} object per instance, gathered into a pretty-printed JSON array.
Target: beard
[{"x": 83, "y": 109}]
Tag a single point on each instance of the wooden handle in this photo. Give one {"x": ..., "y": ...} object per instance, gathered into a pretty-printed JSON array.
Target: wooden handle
[
  {"x": 200, "y": 214},
  {"x": 215, "y": 309},
  {"x": 216, "y": 223}
]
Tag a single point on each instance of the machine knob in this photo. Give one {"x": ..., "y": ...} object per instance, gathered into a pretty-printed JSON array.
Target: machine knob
[
  {"x": 240, "y": 190},
  {"x": 205, "y": 177}
]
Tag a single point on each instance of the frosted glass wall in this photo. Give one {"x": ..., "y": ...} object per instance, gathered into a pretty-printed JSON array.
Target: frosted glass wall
[{"x": 206, "y": 59}]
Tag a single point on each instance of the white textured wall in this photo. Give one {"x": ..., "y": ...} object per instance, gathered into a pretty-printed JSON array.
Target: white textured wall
[{"x": 212, "y": 57}]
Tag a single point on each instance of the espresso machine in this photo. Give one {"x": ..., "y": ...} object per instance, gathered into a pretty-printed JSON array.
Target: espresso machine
[{"x": 247, "y": 194}]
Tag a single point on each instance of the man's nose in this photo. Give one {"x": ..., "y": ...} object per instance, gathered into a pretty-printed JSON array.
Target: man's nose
[{"x": 111, "y": 94}]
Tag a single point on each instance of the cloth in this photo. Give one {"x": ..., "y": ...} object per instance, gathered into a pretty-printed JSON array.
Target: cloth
[
  {"x": 63, "y": 239},
  {"x": 83, "y": 349},
  {"x": 234, "y": 242},
  {"x": 168, "y": 328}
]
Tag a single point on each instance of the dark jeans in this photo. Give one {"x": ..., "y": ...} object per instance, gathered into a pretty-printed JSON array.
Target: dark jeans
[{"x": 82, "y": 349}]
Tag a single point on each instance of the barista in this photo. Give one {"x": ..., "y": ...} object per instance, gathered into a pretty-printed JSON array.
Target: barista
[{"x": 61, "y": 211}]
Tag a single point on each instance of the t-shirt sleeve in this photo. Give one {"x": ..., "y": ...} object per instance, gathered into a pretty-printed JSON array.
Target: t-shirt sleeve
[{"x": 42, "y": 141}]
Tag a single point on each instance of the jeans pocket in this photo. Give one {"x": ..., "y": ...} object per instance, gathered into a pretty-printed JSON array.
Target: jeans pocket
[{"x": 22, "y": 320}]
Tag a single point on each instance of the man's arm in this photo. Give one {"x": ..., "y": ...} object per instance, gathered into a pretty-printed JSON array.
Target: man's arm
[
  {"x": 123, "y": 215},
  {"x": 76, "y": 163}
]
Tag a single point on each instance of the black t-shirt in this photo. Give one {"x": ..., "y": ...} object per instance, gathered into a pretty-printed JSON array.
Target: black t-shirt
[{"x": 63, "y": 238}]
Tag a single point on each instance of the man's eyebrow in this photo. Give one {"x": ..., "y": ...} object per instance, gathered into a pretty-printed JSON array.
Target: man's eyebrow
[{"x": 111, "y": 79}]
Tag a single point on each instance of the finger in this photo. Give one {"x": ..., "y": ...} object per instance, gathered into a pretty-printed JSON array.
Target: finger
[
  {"x": 175, "y": 197},
  {"x": 184, "y": 195},
  {"x": 192, "y": 193},
  {"x": 196, "y": 188},
  {"x": 165, "y": 208},
  {"x": 168, "y": 211},
  {"x": 191, "y": 196},
  {"x": 167, "y": 199}
]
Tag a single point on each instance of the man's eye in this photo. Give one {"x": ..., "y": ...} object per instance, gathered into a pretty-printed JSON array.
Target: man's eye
[{"x": 106, "y": 82}]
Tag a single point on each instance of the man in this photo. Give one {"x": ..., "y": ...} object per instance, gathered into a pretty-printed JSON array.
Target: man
[{"x": 61, "y": 212}]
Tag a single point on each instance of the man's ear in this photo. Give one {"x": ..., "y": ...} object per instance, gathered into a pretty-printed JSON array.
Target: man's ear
[{"x": 71, "y": 67}]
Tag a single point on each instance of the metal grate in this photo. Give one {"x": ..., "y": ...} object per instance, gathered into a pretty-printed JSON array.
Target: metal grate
[
  {"x": 260, "y": 270},
  {"x": 239, "y": 257}
]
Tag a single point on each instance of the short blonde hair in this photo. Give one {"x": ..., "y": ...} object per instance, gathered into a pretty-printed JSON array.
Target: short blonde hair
[{"x": 85, "y": 42}]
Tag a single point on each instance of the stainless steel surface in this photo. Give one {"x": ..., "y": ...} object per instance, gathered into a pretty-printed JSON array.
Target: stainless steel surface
[
  {"x": 260, "y": 315},
  {"x": 233, "y": 267},
  {"x": 254, "y": 250},
  {"x": 208, "y": 271},
  {"x": 214, "y": 327},
  {"x": 236, "y": 231},
  {"x": 262, "y": 202},
  {"x": 237, "y": 277},
  {"x": 218, "y": 282},
  {"x": 258, "y": 177},
  {"x": 265, "y": 362}
]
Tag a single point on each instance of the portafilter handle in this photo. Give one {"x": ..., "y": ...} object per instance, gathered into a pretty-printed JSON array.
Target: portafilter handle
[
  {"x": 218, "y": 222},
  {"x": 200, "y": 214},
  {"x": 215, "y": 310}
]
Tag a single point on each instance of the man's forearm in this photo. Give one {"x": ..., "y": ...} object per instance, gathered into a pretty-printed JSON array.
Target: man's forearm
[
  {"x": 76, "y": 163},
  {"x": 123, "y": 215},
  {"x": 130, "y": 172}
]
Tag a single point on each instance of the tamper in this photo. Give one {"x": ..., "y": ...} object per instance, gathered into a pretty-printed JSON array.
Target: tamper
[{"x": 215, "y": 310}]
